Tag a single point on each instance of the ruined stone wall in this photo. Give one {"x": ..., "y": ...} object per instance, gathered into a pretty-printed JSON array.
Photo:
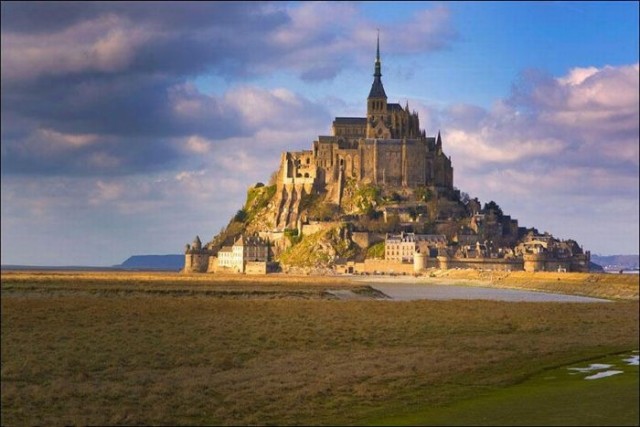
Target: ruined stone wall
[
  {"x": 324, "y": 154},
  {"x": 297, "y": 167}
]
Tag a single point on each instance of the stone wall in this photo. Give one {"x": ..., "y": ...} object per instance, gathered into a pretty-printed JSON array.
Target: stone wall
[
  {"x": 372, "y": 266},
  {"x": 498, "y": 264},
  {"x": 213, "y": 264},
  {"x": 196, "y": 262},
  {"x": 255, "y": 267},
  {"x": 416, "y": 163},
  {"x": 389, "y": 163}
]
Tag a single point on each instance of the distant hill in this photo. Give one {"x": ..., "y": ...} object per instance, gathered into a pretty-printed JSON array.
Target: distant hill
[
  {"x": 153, "y": 262},
  {"x": 595, "y": 268},
  {"x": 617, "y": 262}
]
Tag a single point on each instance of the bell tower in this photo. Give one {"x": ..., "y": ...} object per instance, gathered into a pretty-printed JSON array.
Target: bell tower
[{"x": 378, "y": 122}]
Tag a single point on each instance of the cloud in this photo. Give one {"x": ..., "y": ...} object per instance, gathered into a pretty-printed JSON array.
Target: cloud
[
  {"x": 320, "y": 38},
  {"x": 107, "y": 43},
  {"x": 555, "y": 150},
  {"x": 105, "y": 89},
  {"x": 584, "y": 121},
  {"x": 182, "y": 125},
  {"x": 198, "y": 145}
]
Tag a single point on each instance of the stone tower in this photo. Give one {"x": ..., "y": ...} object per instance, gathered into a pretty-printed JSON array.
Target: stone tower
[{"x": 378, "y": 122}]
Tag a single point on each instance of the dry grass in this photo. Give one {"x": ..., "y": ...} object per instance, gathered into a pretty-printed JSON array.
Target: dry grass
[
  {"x": 75, "y": 357},
  {"x": 176, "y": 284}
]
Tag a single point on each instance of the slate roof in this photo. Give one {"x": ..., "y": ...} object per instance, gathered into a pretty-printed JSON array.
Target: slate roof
[
  {"x": 377, "y": 90},
  {"x": 350, "y": 121}
]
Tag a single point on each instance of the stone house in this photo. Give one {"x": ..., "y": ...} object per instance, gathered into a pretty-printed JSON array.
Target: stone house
[
  {"x": 401, "y": 247},
  {"x": 246, "y": 249}
]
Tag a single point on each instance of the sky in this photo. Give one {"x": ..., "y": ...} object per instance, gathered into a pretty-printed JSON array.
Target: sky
[{"x": 129, "y": 128}]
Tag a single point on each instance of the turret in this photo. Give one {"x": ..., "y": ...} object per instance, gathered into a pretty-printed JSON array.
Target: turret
[{"x": 197, "y": 244}]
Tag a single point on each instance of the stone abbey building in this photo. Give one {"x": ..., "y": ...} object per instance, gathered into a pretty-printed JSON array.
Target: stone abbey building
[
  {"x": 385, "y": 151},
  {"x": 387, "y": 147}
]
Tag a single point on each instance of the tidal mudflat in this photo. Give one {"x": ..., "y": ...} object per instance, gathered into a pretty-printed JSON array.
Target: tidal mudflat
[{"x": 417, "y": 291}]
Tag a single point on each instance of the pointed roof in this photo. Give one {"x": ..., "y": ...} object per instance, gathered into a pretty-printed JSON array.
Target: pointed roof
[{"x": 377, "y": 90}]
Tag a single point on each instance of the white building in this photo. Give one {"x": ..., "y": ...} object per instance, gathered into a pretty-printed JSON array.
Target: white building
[
  {"x": 249, "y": 249},
  {"x": 401, "y": 247}
]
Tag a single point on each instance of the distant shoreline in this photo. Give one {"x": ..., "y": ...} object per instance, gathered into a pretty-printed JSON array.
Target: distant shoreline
[
  {"x": 10, "y": 267},
  {"x": 79, "y": 268}
]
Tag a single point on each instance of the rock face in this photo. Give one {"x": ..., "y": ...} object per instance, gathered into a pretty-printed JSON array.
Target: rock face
[{"x": 375, "y": 175}]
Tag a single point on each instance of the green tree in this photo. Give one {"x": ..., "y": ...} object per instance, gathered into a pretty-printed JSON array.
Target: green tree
[
  {"x": 423, "y": 194},
  {"x": 493, "y": 206},
  {"x": 240, "y": 216}
]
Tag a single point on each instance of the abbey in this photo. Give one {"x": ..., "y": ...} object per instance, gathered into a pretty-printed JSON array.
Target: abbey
[
  {"x": 376, "y": 195},
  {"x": 387, "y": 147}
]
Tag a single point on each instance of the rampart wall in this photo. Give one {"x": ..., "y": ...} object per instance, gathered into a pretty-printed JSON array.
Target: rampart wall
[
  {"x": 480, "y": 264},
  {"x": 255, "y": 267}
]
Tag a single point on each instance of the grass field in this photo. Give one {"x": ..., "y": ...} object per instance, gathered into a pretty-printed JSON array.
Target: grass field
[
  {"x": 574, "y": 401},
  {"x": 120, "y": 348}
]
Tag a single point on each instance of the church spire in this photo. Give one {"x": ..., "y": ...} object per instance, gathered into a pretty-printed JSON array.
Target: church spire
[
  {"x": 377, "y": 90},
  {"x": 377, "y": 72}
]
